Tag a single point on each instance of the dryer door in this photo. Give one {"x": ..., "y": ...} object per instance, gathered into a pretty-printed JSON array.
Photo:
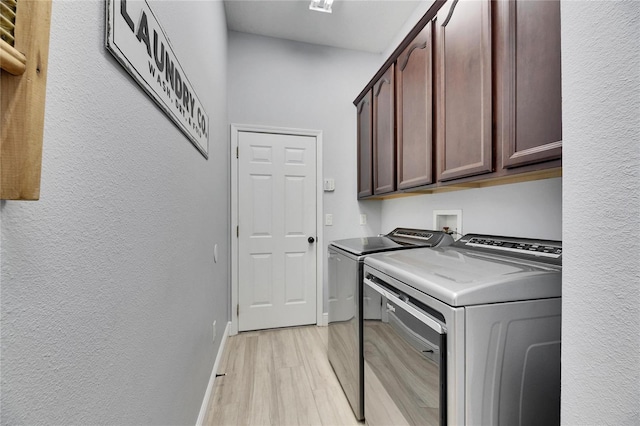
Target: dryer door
[{"x": 404, "y": 360}]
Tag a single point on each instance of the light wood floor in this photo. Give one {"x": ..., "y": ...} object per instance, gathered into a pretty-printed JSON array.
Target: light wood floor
[{"x": 278, "y": 377}]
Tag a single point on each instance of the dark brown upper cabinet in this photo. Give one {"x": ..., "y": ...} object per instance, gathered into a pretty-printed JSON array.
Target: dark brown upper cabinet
[
  {"x": 529, "y": 81},
  {"x": 414, "y": 111},
  {"x": 384, "y": 147},
  {"x": 463, "y": 84},
  {"x": 471, "y": 97},
  {"x": 365, "y": 146}
]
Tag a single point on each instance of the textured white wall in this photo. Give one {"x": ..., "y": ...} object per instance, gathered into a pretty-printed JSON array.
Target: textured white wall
[
  {"x": 529, "y": 210},
  {"x": 276, "y": 82},
  {"x": 109, "y": 289},
  {"x": 601, "y": 219}
]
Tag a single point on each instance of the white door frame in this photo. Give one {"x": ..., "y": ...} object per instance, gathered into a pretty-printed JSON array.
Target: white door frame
[{"x": 235, "y": 130}]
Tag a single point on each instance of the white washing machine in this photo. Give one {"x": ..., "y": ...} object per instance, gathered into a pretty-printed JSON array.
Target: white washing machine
[{"x": 467, "y": 334}]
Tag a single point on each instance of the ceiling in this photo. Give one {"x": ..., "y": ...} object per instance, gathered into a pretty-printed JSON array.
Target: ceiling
[{"x": 367, "y": 25}]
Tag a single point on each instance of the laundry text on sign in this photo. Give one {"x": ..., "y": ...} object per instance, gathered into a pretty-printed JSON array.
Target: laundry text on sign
[{"x": 136, "y": 39}]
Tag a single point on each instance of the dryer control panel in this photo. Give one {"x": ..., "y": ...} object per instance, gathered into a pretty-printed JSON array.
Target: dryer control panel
[{"x": 521, "y": 247}]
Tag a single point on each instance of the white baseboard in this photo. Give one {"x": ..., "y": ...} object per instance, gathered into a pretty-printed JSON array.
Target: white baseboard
[
  {"x": 207, "y": 395},
  {"x": 325, "y": 319}
]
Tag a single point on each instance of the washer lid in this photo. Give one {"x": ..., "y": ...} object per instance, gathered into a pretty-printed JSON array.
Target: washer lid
[
  {"x": 399, "y": 238},
  {"x": 461, "y": 277},
  {"x": 367, "y": 245}
]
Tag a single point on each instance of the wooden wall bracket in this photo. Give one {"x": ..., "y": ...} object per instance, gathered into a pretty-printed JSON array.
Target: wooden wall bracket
[{"x": 22, "y": 101}]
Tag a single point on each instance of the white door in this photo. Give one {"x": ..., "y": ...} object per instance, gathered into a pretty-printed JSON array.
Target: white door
[{"x": 277, "y": 230}]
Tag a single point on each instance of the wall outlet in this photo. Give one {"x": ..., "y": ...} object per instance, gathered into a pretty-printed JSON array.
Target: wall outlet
[
  {"x": 363, "y": 219},
  {"x": 328, "y": 219},
  {"x": 214, "y": 331}
]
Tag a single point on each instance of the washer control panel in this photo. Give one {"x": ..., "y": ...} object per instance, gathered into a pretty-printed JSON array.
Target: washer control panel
[
  {"x": 420, "y": 237},
  {"x": 411, "y": 233}
]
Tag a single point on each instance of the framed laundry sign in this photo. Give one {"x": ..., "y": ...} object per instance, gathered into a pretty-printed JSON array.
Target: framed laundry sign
[{"x": 138, "y": 41}]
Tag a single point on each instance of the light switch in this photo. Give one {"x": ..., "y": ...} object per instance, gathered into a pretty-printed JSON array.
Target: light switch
[
  {"x": 328, "y": 219},
  {"x": 329, "y": 185}
]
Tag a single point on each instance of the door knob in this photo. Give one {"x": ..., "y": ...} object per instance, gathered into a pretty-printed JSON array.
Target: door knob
[{"x": 311, "y": 240}]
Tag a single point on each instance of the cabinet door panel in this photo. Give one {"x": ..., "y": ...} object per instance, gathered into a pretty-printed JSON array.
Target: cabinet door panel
[
  {"x": 414, "y": 100},
  {"x": 384, "y": 170},
  {"x": 531, "y": 115},
  {"x": 365, "y": 146},
  {"x": 464, "y": 89}
]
